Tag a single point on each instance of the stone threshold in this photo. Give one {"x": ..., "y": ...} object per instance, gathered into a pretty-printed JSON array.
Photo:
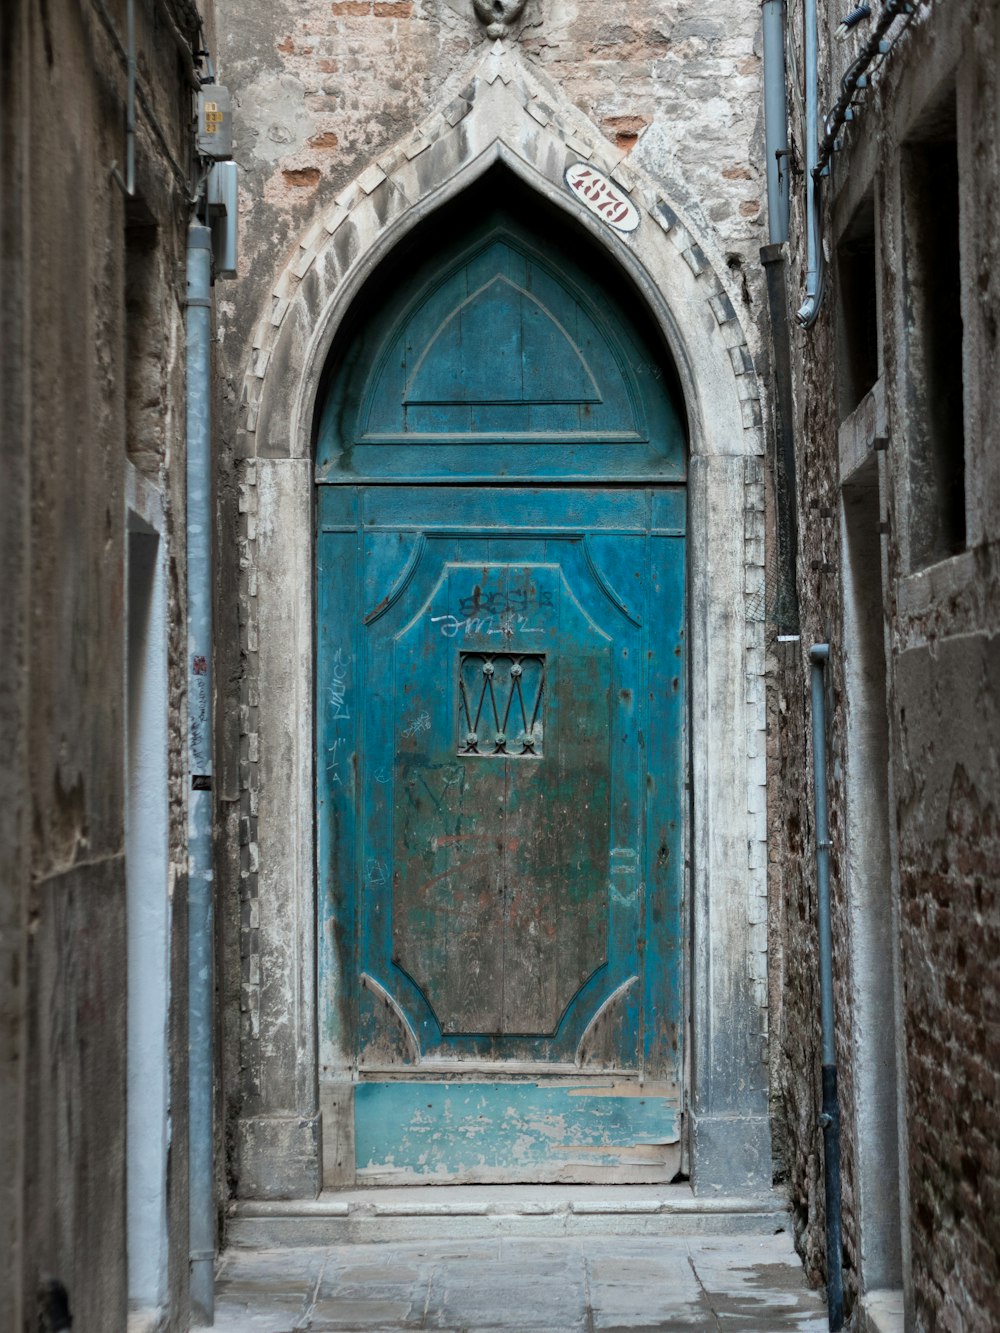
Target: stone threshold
[{"x": 466, "y": 1212}]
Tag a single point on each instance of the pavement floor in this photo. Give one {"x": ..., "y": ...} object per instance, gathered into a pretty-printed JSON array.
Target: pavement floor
[{"x": 587, "y": 1284}]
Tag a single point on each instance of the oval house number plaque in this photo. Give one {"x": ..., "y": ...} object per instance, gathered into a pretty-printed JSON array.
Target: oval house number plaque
[{"x": 602, "y": 198}]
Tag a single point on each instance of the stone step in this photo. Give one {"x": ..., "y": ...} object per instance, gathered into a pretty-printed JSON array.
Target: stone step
[{"x": 470, "y": 1212}]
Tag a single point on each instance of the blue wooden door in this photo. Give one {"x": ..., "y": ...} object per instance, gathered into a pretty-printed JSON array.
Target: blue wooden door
[{"x": 500, "y": 739}]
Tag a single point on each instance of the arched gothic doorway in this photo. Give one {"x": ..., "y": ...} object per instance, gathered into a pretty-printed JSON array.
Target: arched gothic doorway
[{"x": 500, "y": 712}]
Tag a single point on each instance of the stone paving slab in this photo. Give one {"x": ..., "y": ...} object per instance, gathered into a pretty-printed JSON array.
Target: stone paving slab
[{"x": 583, "y": 1284}]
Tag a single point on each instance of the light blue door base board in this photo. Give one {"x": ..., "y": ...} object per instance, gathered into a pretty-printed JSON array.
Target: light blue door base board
[{"x": 523, "y": 1130}]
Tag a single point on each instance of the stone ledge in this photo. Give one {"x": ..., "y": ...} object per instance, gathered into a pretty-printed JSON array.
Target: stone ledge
[
  {"x": 145, "y": 1321},
  {"x": 462, "y": 1212},
  {"x": 882, "y": 1312}
]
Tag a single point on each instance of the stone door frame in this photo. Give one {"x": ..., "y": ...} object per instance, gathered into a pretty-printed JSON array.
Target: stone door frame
[{"x": 504, "y": 114}]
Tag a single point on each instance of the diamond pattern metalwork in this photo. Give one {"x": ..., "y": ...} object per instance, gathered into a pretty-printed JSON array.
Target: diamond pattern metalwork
[{"x": 500, "y": 704}]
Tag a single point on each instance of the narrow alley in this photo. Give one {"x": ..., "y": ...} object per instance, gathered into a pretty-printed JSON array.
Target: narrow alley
[
  {"x": 746, "y": 1284},
  {"x": 540, "y": 1266},
  {"x": 500, "y": 616}
]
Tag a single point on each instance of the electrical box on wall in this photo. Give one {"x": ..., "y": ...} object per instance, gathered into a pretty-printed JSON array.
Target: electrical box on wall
[
  {"x": 214, "y": 136},
  {"x": 222, "y": 202}
]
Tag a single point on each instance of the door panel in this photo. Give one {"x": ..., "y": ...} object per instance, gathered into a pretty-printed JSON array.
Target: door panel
[
  {"x": 499, "y": 827},
  {"x": 528, "y": 1130},
  {"x": 499, "y": 899}
]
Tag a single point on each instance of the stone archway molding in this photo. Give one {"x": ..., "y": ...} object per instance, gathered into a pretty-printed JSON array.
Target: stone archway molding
[{"x": 505, "y": 113}]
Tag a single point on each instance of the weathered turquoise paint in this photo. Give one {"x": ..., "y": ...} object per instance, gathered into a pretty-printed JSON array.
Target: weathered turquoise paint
[
  {"x": 463, "y": 1128},
  {"x": 500, "y": 722},
  {"x": 506, "y": 347}
]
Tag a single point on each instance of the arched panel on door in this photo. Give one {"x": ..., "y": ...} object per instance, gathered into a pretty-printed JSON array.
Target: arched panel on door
[{"x": 521, "y": 341}]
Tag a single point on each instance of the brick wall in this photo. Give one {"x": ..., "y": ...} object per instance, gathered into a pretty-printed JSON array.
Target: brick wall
[
  {"x": 941, "y": 702},
  {"x": 324, "y": 88},
  {"x": 949, "y": 854}
]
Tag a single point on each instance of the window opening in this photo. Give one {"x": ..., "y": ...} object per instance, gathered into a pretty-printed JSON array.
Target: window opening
[
  {"x": 932, "y": 295},
  {"x": 857, "y": 323}
]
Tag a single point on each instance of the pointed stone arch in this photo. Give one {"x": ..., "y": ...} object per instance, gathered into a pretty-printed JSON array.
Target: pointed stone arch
[{"x": 506, "y": 115}]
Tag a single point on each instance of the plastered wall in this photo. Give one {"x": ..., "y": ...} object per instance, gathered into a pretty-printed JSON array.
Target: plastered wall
[{"x": 80, "y": 411}]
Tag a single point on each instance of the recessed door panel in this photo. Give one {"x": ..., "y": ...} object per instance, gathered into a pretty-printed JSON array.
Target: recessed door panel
[
  {"x": 510, "y": 922},
  {"x": 501, "y": 691}
]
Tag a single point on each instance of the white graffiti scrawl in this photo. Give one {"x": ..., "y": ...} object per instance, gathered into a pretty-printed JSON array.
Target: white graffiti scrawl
[
  {"x": 506, "y": 624},
  {"x": 338, "y": 690}
]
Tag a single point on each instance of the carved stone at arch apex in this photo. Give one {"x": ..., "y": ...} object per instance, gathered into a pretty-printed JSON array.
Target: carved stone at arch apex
[{"x": 498, "y": 15}]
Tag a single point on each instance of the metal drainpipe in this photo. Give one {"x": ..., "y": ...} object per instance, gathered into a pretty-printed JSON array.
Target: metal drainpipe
[
  {"x": 773, "y": 258},
  {"x": 775, "y": 120},
  {"x": 201, "y": 1208},
  {"x": 127, "y": 183},
  {"x": 786, "y": 611},
  {"x": 809, "y": 309},
  {"x": 830, "y": 1118}
]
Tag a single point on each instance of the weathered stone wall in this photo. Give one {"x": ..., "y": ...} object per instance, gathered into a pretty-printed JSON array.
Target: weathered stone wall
[
  {"x": 15, "y": 827},
  {"x": 794, "y": 982},
  {"x": 323, "y": 92},
  {"x": 322, "y": 89},
  {"x": 92, "y": 377},
  {"x": 939, "y": 682},
  {"x": 949, "y": 859},
  {"x": 946, "y": 736}
]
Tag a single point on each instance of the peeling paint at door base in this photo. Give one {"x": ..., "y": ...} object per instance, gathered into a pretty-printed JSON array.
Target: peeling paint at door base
[{"x": 480, "y": 1129}]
